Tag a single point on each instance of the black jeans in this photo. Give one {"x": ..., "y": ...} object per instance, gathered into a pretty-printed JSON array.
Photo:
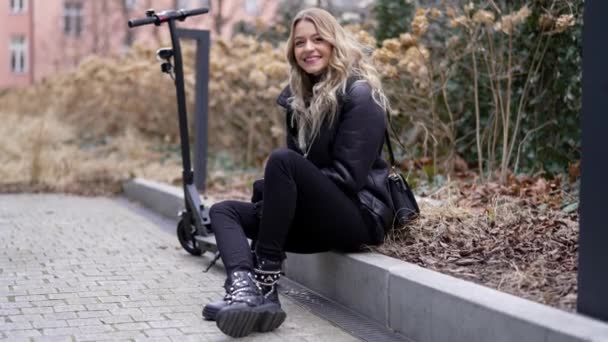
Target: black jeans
[{"x": 303, "y": 212}]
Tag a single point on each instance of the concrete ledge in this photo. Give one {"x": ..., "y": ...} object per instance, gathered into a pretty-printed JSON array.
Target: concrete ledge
[
  {"x": 431, "y": 306},
  {"x": 162, "y": 198},
  {"x": 421, "y": 304},
  {"x": 165, "y": 199},
  {"x": 347, "y": 279}
]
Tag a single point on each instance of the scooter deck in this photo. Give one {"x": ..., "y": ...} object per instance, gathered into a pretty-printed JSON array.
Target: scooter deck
[{"x": 206, "y": 243}]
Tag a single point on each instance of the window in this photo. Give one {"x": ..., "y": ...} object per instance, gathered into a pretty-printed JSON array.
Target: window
[
  {"x": 18, "y": 50},
  {"x": 251, "y": 6},
  {"x": 183, "y": 4},
  {"x": 72, "y": 18},
  {"x": 130, "y": 4},
  {"x": 18, "y": 6}
]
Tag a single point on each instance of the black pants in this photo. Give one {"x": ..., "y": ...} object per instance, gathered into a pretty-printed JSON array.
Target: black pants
[{"x": 303, "y": 212}]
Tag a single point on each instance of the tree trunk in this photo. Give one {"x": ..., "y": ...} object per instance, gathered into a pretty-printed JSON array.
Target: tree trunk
[
  {"x": 128, "y": 32},
  {"x": 219, "y": 19}
]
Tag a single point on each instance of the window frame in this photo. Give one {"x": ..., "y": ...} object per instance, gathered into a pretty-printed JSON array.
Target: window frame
[
  {"x": 183, "y": 4},
  {"x": 251, "y": 7},
  {"x": 73, "y": 18},
  {"x": 18, "y": 54},
  {"x": 205, "y": 4},
  {"x": 18, "y": 6},
  {"x": 130, "y": 4}
]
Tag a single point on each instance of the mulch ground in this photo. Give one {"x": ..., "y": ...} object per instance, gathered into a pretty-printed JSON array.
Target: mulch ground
[{"x": 520, "y": 238}]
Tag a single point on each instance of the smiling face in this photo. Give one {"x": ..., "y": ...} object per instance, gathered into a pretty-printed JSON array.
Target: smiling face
[{"x": 311, "y": 51}]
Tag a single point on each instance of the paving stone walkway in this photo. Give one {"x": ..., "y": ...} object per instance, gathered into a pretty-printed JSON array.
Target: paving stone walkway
[{"x": 90, "y": 269}]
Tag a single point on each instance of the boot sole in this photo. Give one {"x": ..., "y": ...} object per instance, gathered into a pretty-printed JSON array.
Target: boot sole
[
  {"x": 210, "y": 313},
  {"x": 241, "y": 321}
]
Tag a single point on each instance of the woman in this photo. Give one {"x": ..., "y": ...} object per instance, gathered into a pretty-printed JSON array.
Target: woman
[{"x": 326, "y": 190}]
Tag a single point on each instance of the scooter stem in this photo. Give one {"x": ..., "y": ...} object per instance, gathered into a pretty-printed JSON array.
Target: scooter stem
[{"x": 187, "y": 173}]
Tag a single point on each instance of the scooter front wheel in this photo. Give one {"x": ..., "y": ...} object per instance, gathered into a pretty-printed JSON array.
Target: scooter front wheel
[{"x": 185, "y": 235}]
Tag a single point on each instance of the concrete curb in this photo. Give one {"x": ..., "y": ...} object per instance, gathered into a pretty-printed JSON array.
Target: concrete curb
[{"x": 421, "y": 304}]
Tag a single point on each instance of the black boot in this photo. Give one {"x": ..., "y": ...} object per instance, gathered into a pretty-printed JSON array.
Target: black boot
[
  {"x": 247, "y": 310},
  {"x": 211, "y": 309},
  {"x": 269, "y": 290}
]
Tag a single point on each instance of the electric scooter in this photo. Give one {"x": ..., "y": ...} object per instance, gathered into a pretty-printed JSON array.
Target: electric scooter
[{"x": 194, "y": 226}]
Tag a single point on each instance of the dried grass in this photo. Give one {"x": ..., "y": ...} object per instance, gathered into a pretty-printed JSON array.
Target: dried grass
[{"x": 44, "y": 153}]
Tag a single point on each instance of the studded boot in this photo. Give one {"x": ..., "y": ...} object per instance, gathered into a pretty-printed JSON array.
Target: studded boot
[
  {"x": 247, "y": 310},
  {"x": 268, "y": 286},
  {"x": 211, "y": 309}
]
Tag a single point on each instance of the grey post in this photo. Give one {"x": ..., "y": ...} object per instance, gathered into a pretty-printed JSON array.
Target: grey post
[
  {"x": 201, "y": 116},
  {"x": 593, "y": 238}
]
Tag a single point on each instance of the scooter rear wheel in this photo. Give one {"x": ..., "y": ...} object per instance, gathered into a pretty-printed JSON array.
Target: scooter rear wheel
[{"x": 185, "y": 235}]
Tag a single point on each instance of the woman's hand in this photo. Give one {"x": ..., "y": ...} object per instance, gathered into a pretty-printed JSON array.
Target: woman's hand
[{"x": 258, "y": 191}]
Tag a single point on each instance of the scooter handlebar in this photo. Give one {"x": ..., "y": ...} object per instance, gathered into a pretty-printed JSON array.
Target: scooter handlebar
[
  {"x": 141, "y": 21},
  {"x": 159, "y": 18},
  {"x": 196, "y": 11}
]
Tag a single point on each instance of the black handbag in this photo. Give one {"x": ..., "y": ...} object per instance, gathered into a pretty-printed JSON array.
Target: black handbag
[{"x": 404, "y": 202}]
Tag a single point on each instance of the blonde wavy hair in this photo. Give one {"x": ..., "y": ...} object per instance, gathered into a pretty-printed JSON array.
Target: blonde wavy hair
[{"x": 313, "y": 104}]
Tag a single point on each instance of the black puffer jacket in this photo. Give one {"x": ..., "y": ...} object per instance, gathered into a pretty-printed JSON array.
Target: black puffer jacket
[{"x": 350, "y": 153}]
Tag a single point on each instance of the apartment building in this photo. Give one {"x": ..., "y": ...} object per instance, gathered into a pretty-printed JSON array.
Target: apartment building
[{"x": 41, "y": 37}]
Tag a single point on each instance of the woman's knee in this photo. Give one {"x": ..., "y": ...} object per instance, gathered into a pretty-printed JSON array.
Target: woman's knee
[
  {"x": 282, "y": 156},
  {"x": 224, "y": 208}
]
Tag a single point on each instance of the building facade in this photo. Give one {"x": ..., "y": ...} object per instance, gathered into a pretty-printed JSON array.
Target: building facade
[{"x": 41, "y": 37}]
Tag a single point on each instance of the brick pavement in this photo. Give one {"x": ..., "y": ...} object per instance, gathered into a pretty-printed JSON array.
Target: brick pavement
[{"x": 89, "y": 269}]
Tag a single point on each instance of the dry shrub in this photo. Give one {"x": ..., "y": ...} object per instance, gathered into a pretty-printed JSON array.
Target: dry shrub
[
  {"x": 107, "y": 96},
  {"x": 102, "y": 97},
  {"x": 246, "y": 78},
  {"x": 471, "y": 81},
  {"x": 105, "y": 120}
]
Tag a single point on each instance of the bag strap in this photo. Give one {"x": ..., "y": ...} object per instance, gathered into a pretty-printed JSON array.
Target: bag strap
[
  {"x": 390, "y": 148},
  {"x": 387, "y": 139}
]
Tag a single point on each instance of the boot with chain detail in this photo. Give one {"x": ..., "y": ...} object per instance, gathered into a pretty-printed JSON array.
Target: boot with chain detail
[
  {"x": 247, "y": 310},
  {"x": 270, "y": 292}
]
